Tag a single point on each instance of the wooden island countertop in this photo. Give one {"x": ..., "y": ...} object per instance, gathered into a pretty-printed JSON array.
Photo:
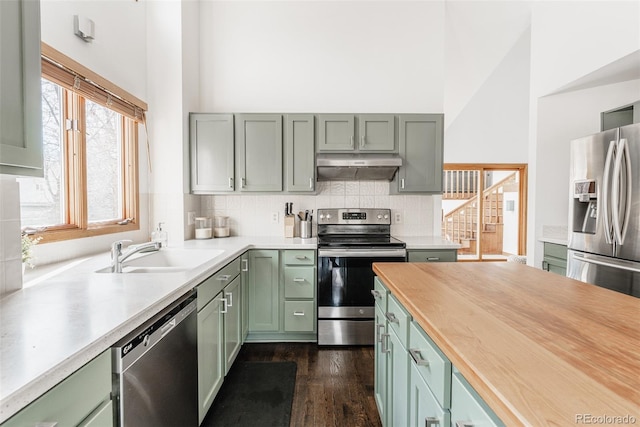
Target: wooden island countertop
[{"x": 539, "y": 348}]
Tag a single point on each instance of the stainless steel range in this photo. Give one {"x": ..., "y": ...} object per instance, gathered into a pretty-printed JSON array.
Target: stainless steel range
[{"x": 349, "y": 241}]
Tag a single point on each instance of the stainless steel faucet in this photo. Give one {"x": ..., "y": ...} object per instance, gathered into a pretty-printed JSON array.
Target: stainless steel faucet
[{"x": 118, "y": 257}]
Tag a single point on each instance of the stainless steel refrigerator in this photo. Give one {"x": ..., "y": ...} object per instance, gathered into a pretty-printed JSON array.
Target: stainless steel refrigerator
[{"x": 604, "y": 210}]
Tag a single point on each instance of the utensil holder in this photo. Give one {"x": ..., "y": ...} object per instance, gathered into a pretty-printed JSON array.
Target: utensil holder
[{"x": 305, "y": 229}]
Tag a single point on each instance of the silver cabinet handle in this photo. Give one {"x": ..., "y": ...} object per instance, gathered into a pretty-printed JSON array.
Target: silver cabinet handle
[
  {"x": 230, "y": 295},
  {"x": 464, "y": 424},
  {"x": 433, "y": 258},
  {"x": 311, "y": 183},
  {"x": 431, "y": 421},
  {"x": 243, "y": 182},
  {"x": 401, "y": 182},
  {"x": 298, "y": 279},
  {"x": 224, "y": 277},
  {"x": 391, "y": 317},
  {"x": 362, "y": 141},
  {"x": 351, "y": 141},
  {"x": 301, "y": 257},
  {"x": 417, "y": 357},
  {"x": 224, "y": 302},
  {"x": 230, "y": 182},
  {"x": 298, "y": 313},
  {"x": 46, "y": 424},
  {"x": 376, "y": 294},
  {"x": 384, "y": 348},
  {"x": 379, "y": 327},
  {"x": 245, "y": 265}
]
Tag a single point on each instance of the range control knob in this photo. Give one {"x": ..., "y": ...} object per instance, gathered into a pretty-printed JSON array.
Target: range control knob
[
  {"x": 379, "y": 216},
  {"x": 386, "y": 216},
  {"x": 328, "y": 216},
  {"x": 321, "y": 216}
]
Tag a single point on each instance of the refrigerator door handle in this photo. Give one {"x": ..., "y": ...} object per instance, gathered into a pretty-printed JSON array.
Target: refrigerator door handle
[
  {"x": 606, "y": 211},
  {"x": 620, "y": 224},
  {"x": 590, "y": 260}
]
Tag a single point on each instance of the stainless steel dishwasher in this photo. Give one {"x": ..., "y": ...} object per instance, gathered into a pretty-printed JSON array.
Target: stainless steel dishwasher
[{"x": 155, "y": 370}]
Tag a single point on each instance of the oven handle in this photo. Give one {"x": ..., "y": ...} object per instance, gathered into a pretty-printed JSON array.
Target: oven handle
[{"x": 363, "y": 253}]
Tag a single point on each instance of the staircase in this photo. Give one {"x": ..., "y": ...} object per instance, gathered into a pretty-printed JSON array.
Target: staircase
[{"x": 461, "y": 224}]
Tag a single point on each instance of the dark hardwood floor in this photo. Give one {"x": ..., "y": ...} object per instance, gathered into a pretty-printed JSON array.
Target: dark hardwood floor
[{"x": 334, "y": 385}]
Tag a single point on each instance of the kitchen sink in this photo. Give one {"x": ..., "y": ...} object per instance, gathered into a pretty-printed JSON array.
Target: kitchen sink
[{"x": 166, "y": 261}]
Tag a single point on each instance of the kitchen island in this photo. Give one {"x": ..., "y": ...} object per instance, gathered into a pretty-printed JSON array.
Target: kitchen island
[{"x": 539, "y": 348}]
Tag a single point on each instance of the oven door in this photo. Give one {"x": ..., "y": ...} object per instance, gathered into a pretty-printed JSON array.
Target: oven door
[{"x": 345, "y": 303}]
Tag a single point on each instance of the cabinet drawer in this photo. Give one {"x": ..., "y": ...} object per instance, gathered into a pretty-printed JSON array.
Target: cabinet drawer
[
  {"x": 555, "y": 250},
  {"x": 432, "y": 256},
  {"x": 300, "y": 257},
  {"x": 299, "y": 316},
  {"x": 398, "y": 319},
  {"x": 431, "y": 364},
  {"x": 380, "y": 294},
  {"x": 73, "y": 400},
  {"x": 467, "y": 407},
  {"x": 299, "y": 282},
  {"x": 208, "y": 289}
]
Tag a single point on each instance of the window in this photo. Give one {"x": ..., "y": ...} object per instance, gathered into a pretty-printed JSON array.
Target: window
[
  {"x": 484, "y": 210},
  {"x": 90, "y": 140}
]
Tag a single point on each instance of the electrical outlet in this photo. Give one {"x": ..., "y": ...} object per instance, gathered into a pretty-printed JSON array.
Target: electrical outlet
[
  {"x": 398, "y": 218},
  {"x": 191, "y": 218},
  {"x": 274, "y": 218}
]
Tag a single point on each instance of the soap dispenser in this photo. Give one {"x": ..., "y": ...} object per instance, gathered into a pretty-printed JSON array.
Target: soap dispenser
[{"x": 159, "y": 235}]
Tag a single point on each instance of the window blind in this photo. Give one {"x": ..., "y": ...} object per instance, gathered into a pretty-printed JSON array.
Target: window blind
[{"x": 84, "y": 86}]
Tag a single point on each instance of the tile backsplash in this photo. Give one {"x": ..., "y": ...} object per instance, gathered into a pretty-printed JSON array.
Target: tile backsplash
[
  {"x": 10, "y": 248},
  {"x": 251, "y": 215}
]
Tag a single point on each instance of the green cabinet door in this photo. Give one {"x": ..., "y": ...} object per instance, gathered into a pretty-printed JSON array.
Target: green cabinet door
[
  {"x": 232, "y": 295},
  {"x": 259, "y": 151},
  {"x": 421, "y": 148},
  {"x": 210, "y": 353},
  {"x": 376, "y": 132},
  {"x": 432, "y": 255},
  {"x": 424, "y": 409},
  {"x": 20, "y": 89},
  {"x": 555, "y": 258},
  {"x": 264, "y": 291},
  {"x": 299, "y": 139},
  {"x": 336, "y": 132},
  {"x": 211, "y": 152},
  {"x": 398, "y": 377},
  {"x": 244, "y": 293},
  {"x": 381, "y": 364}
]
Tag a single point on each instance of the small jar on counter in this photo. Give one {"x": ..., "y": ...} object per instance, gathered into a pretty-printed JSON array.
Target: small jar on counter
[
  {"x": 203, "y": 228},
  {"x": 221, "y": 226}
]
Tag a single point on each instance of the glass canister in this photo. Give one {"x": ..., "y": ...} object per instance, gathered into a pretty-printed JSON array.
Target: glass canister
[
  {"x": 203, "y": 228},
  {"x": 221, "y": 226}
]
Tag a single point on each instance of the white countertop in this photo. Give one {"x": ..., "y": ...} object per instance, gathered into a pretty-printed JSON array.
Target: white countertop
[
  {"x": 557, "y": 234},
  {"x": 51, "y": 329}
]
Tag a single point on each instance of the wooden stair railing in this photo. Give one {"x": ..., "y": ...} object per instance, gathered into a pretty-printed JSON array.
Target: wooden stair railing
[{"x": 461, "y": 224}]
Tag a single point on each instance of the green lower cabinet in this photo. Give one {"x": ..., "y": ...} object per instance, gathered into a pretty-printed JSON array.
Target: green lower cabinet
[
  {"x": 210, "y": 353},
  {"x": 264, "y": 291},
  {"x": 299, "y": 316},
  {"x": 381, "y": 364},
  {"x": 467, "y": 407},
  {"x": 244, "y": 278},
  {"x": 398, "y": 397},
  {"x": 555, "y": 258},
  {"x": 432, "y": 255},
  {"x": 424, "y": 410},
  {"x": 232, "y": 322},
  {"x": 82, "y": 399}
]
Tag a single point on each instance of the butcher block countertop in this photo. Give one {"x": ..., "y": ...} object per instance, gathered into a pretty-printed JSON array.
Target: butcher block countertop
[{"x": 539, "y": 348}]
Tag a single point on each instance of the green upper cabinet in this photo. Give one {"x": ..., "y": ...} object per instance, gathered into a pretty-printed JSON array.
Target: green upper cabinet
[
  {"x": 300, "y": 154},
  {"x": 336, "y": 132},
  {"x": 211, "y": 149},
  {"x": 376, "y": 132},
  {"x": 20, "y": 89},
  {"x": 259, "y": 151},
  {"x": 421, "y": 148}
]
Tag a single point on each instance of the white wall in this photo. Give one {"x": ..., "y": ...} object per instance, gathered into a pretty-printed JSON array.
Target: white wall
[{"x": 316, "y": 56}]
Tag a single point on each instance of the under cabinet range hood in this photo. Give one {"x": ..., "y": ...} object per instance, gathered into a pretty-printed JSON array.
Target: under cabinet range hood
[{"x": 357, "y": 167}]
